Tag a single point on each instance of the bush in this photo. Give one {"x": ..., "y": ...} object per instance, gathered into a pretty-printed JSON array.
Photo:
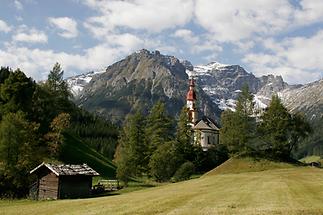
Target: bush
[
  {"x": 208, "y": 160},
  {"x": 164, "y": 162},
  {"x": 184, "y": 172}
]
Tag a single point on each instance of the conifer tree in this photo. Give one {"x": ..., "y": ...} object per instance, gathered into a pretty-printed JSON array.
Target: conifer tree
[
  {"x": 184, "y": 137},
  {"x": 245, "y": 104},
  {"x": 230, "y": 132},
  {"x": 56, "y": 83},
  {"x": 4, "y": 74},
  {"x": 280, "y": 130},
  {"x": 274, "y": 127},
  {"x": 58, "y": 92},
  {"x": 238, "y": 128},
  {"x": 299, "y": 130},
  {"x": 158, "y": 128},
  {"x": 16, "y": 93},
  {"x": 130, "y": 157}
]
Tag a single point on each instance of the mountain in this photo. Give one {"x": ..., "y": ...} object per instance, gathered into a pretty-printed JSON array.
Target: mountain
[
  {"x": 307, "y": 99},
  {"x": 78, "y": 82},
  {"x": 145, "y": 77},
  {"x": 137, "y": 82},
  {"x": 224, "y": 82}
]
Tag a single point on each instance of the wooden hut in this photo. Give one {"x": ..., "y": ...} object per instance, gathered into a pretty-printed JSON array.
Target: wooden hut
[{"x": 59, "y": 181}]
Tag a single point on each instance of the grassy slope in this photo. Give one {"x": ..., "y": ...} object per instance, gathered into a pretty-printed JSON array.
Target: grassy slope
[
  {"x": 293, "y": 190},
  {"x": 248, "y": 164},
  {"x": 77, "y": 152}
]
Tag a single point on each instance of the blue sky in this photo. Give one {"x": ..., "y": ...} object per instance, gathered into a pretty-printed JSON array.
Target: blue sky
[{"x": 280, "y": 37}]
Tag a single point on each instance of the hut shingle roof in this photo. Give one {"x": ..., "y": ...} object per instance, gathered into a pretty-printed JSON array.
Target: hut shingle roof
[{"x": 68, "y": 169}]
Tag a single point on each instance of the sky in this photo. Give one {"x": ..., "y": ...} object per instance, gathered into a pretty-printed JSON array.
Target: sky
[{"x": 280, "y": 37}]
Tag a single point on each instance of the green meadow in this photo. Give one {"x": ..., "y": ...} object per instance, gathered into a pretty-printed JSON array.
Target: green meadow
[{"x": 258, "y": 188}]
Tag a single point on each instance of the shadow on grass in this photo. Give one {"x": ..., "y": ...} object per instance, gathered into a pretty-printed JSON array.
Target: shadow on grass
[{"x": 104, "y": 194}]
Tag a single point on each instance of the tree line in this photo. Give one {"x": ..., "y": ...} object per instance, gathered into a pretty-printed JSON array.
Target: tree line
[
  {"x": 274, "y": 133},
  {"x": 158, "y": 147}
]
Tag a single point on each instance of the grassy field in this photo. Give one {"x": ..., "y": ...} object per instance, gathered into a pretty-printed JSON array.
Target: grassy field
[{"x": 286, "y": 189}]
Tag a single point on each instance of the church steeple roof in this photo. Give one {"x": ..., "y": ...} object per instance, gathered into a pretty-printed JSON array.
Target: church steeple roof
[{"x": 191, "y": 95}]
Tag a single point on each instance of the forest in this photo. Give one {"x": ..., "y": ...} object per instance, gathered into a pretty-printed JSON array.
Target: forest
[{"x": 35, "y": 117}]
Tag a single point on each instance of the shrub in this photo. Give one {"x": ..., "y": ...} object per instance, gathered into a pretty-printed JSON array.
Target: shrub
[
  {"x": 164, "y": 162},
  {"x": 184, "y": 172}
]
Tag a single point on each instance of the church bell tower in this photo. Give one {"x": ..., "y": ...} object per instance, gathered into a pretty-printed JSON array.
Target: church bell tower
[{"x": 191, "y": 102}]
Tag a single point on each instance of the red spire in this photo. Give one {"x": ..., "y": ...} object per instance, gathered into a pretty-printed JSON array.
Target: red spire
[{"x": 191, "y": 95}]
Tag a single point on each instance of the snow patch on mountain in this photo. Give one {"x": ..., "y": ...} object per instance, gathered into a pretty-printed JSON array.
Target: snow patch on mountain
[
  {"x": 78, "y": 82},
  {"x": 223, "y": 84}
]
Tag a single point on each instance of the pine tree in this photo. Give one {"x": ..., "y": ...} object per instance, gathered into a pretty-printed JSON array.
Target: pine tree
[
  {"x": 56, "y": 82},
  {"x": 245, "y": 104},
  {"x": 238, "y": 128},
  {"x": 4, "y": 74},
  {"x": 158, "y": 128},
  {"x": 130, "y": 157},
  {"x": 299, "y": 130},
  {"x": 184, "y": 137},
  {"x": 16, "y": 93},
  {"x": 230, "y": 132},
  {"x": 274, "y": 128},
  {"x": 58, "y": 92},
  {"x": 136, "y": 144},
  {"x": 280, "y": 130}
]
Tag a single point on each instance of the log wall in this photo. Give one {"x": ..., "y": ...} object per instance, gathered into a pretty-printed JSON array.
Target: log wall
[{"x": 48, "y": 186}]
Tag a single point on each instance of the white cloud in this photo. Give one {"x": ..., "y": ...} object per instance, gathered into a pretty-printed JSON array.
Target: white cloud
[
  {"x": 311, "y": 12},
  {"x": 199, "y": 43},
  {"x": 4, "y": 26},
  {"x": 66, "y": 25},
  {"x": 129, "y": 41},
  {"x": 232, "y": 20},
  {"x": 152, "y": 16},
  {"x": 18, "y": 5},
  {"x": 207, "y": 45},
  {"x": 29, "y": 35},
  {"x": 37, "y": 63},
  {"x": 187, "y": 35},
  {"x": 297, "y": 59}
]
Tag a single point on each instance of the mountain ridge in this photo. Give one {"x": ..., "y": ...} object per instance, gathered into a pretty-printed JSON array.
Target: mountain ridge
[
  {"x": 164, "y": 76},
  {"x": 137, "y": 82}
]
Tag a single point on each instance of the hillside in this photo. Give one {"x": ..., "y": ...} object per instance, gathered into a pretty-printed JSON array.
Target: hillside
[
  {"x": 294, "y": 190},
  {"x": 247, "y": 164},
  {"x": 76, "y": 152}
]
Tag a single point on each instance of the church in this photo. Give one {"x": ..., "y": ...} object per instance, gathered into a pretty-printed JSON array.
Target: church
[{"x": 205, "y": 131}]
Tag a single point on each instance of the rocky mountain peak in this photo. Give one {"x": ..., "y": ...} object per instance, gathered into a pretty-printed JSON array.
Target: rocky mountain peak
[
  {"x": 224, "y": 82},
  {"x": 307, "y": 99},
  {"x": 138, "y": 81}
]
